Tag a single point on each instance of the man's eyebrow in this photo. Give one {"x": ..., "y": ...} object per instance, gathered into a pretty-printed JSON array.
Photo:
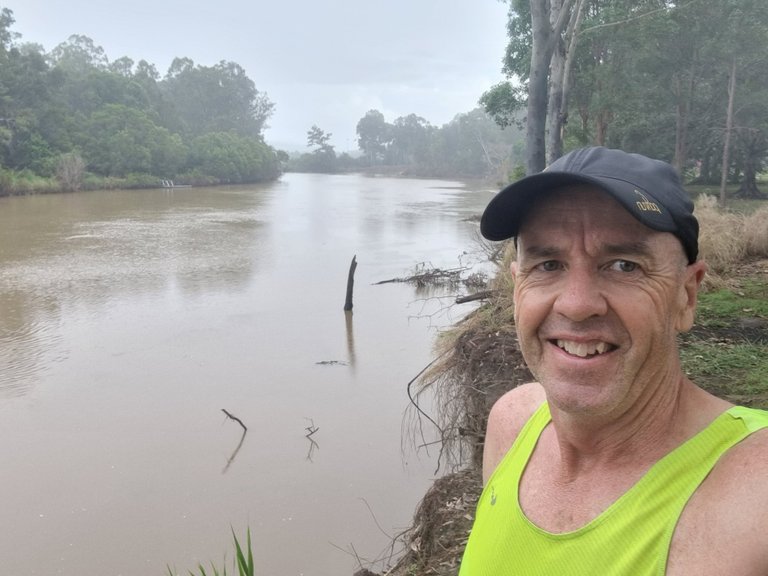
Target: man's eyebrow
[
  {"x": 634, "y": 248},
  {"x": 540, "y": 252}
]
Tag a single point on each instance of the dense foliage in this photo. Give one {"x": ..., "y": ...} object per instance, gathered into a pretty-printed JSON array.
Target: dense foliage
[
  {"x": 470, "y": 145},
  {"x": 675, "y": 80},
  {"x": 71, "y": 116}
]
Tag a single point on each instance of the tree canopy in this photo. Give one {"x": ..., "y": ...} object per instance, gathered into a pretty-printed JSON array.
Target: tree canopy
[
  {"x": 675, "y": 80},
  {"x": 74, "y": 107}
]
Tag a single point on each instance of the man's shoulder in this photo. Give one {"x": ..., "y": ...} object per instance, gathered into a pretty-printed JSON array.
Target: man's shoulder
[
  {"x": 516, "y": 406},
  {"x": 744, "y": 464},
  {"x": 507, "y": 417},
  {"x": 727, "y": 517}
]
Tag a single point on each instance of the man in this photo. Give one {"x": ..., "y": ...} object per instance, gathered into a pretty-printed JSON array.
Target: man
[{"x": 614, "y": 463}]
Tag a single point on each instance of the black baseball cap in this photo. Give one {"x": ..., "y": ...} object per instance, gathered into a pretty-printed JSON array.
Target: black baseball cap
[{"x": 649, "y": 189}]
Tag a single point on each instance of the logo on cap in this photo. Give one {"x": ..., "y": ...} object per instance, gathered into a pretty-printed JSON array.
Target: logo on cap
[{"x": 645, "y": 205}]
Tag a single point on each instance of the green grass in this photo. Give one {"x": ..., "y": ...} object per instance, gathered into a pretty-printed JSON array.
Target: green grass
[
  {"x": 738, "y": 372},
  {"x": 243, "y": 562},
  {"x": 722, "y": 307},
  {"x": 721, "y": 354}
]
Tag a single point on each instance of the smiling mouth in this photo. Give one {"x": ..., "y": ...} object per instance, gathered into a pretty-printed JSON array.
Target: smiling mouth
[{"x": 584, "y": 349}]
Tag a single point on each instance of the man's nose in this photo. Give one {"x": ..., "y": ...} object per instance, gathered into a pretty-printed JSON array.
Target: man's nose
[{"x": 580, "y": 296}]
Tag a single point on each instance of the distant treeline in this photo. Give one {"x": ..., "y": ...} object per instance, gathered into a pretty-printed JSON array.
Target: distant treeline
[
  {"x": 471, "y": 145},
  {"x": 71, "y": 118}
]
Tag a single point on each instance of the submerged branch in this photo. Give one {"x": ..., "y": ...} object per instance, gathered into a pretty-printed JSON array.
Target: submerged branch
[{"x": 236, "y": 419}]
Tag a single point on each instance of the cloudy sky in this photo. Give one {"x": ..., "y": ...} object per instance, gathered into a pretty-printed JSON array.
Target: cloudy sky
[{"x": 323, "y": 62}]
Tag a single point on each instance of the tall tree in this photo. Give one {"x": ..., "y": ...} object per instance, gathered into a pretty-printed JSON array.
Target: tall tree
[
  {"x": 410, "y": 140},
  {"x": 215, "y": 98},
  {"x": 549, "y": 19},
  {"x": 373, "y": 135},
  {"x": 540, "y": 33}
]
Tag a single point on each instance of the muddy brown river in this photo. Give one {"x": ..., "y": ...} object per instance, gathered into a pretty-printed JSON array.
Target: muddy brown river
[{"x": 130, "y": 319}]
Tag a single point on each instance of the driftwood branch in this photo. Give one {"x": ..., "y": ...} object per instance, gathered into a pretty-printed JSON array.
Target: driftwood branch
[
  {"x": 431, "y": 277},
  {"x": 482, "y": 295},
  {"x": 235, "y": 418},
  {"x": 350, "y": 284}
]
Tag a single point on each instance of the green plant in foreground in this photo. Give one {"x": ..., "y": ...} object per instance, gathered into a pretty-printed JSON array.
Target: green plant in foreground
[{"x": 243, "y": 561}]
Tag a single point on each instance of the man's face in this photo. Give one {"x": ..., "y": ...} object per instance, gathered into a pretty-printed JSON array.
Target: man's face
[{"x": 599, "y": 299}]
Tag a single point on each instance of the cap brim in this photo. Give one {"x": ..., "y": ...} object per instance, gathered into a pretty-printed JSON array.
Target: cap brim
[{"x": 504, "y": 214}]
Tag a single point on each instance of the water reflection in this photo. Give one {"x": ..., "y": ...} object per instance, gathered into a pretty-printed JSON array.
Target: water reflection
[
  {"x": 239, "y": 445},
  {"x": 313, "y": 445},
  {"x": 350, "y": 338}
]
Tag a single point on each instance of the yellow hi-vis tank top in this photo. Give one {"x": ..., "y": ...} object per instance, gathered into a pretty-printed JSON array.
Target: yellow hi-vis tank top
[{"x": 630, "y": 538}]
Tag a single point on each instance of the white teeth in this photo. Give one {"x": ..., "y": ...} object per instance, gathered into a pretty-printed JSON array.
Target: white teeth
[{"x": 583, "y": 349}]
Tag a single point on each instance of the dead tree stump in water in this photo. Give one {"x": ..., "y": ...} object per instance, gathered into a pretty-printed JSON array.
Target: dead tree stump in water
[{"x": 350, "y": 284}]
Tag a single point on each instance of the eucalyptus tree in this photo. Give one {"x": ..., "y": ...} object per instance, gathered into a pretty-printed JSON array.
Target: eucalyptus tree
[
  {"x": 473, "y": 145},
  {"x": 215, "y": 98},
  {"x": 614, "y": 72},
  {"x": 540, "y": 34},
  {"x": 744, "y": 54},
  {"x": 411, "y": 136},
  {"x": 374, "y": 134},
  {"x": 79, "y": 54}
]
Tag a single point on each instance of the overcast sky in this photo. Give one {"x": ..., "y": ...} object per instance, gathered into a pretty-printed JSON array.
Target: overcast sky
[{"x": 324, "y": 62}]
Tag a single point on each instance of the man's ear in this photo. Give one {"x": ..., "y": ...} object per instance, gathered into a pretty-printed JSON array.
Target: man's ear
[
  {"x": 513, "y": 269},
  {"x": 689, "y": 294}
]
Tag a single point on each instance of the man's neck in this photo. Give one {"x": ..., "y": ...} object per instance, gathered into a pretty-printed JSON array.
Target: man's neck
[{"x": 637, "y": 437}]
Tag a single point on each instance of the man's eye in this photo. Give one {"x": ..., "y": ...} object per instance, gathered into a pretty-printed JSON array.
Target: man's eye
[
  {"x": 623, "y": 266},
  {"x": 549, "y": 266}
]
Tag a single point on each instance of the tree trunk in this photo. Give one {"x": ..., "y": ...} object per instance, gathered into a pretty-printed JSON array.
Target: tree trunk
[
  {"x": 541, "y": 56},
  {"x": 556, "y": 110},
  {"x": 601, "y": 127},
  {"x": 681, "y": 117},
  {"x": 547, "y": 24},
  {"x": 572, "y": 36},
  {"x": 554, "y": 147},
  {"x": 728, "y": 129},
  {"x": 754, "y": 147},
  {"x": 684, "y": 107}
]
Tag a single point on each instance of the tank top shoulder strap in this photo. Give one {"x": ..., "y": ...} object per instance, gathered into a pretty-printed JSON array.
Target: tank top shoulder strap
[
  {"x": 516, "y": 458},
  {"x": 752, "y": 418}
]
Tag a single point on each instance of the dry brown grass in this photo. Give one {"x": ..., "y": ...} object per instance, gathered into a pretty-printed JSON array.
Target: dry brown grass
[
  {"x": 727, "y": 239},
  {"x": 756, "y": 233}
]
